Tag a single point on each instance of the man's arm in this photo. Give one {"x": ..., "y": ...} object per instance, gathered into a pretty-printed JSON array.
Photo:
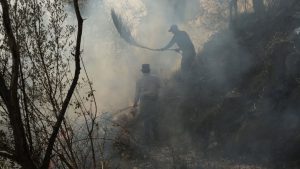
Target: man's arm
[{"x": 170, "y": 44}]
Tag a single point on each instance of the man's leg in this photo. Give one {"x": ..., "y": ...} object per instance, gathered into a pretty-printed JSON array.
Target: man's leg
[
  {"x": 147, "y": 130},
  {"x": 154, "y": 129}
]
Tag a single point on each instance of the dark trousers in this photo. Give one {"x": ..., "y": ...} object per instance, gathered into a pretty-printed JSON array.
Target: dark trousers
[
  {"x": 149, "y": 111},
  {"x": 150, "y": 129},
  {"x": 188, "y": 58}
]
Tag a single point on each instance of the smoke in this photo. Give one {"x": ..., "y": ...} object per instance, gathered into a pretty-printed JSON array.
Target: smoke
[{"x": 114, "y": 65}]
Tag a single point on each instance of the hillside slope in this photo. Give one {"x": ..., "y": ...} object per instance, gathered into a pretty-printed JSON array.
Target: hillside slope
[{"x": 243, "y": 98}]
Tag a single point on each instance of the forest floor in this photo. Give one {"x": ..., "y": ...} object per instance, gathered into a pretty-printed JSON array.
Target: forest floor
[{"x": 166, "y": 157}]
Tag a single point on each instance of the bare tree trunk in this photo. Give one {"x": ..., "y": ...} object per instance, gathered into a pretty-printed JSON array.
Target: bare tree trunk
[
  {"x": 233, "y": 11},
  {"x": 258, "y": 7},
  {"x": 10, "y": 96}
]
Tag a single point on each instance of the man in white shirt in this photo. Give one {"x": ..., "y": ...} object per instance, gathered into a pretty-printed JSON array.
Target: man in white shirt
[{"x": 147, "y": 91}]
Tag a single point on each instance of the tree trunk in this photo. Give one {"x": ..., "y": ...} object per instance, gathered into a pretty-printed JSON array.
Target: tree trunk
[
  {"x": 10, "y": 96},
  {"x": 258, "y": 7}
]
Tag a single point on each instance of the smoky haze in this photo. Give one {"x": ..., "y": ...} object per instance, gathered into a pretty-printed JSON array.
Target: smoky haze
[
  {"x": 113, "y": 64},
  {"x": 229, "y": 105}
]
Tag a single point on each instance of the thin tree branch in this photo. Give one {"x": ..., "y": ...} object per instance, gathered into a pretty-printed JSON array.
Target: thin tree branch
[
  {"x": 7, "y": 155},
  {"x": 66, "y": 102},
  {"x": 26, "y": 110}
]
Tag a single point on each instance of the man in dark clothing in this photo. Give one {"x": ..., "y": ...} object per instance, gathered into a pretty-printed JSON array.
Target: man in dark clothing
[
  {"x": 183, "y": 41},
  {"x": 147, "y": 91}
]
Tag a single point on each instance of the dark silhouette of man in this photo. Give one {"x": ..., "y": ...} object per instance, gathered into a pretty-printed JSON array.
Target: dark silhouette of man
[
  {"x": 147, "y": 91},
  {"x": 183, "y": 41}
]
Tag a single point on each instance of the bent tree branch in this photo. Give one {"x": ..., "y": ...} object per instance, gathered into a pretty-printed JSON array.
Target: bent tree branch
[{"x": 66, "y": 102}]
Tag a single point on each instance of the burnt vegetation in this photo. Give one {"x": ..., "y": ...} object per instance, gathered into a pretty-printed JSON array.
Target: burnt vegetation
[
  {"x": 242, "y": 101},
  {"x": 239, "y": 107}
]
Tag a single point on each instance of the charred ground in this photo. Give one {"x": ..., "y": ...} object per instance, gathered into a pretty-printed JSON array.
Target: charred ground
[
  {"x": 243, "y": 98},
  {"x": 241, "y": 102}
]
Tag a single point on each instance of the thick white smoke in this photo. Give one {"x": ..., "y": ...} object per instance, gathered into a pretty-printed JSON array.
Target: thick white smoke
[{"x": 113, "y": 64}]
